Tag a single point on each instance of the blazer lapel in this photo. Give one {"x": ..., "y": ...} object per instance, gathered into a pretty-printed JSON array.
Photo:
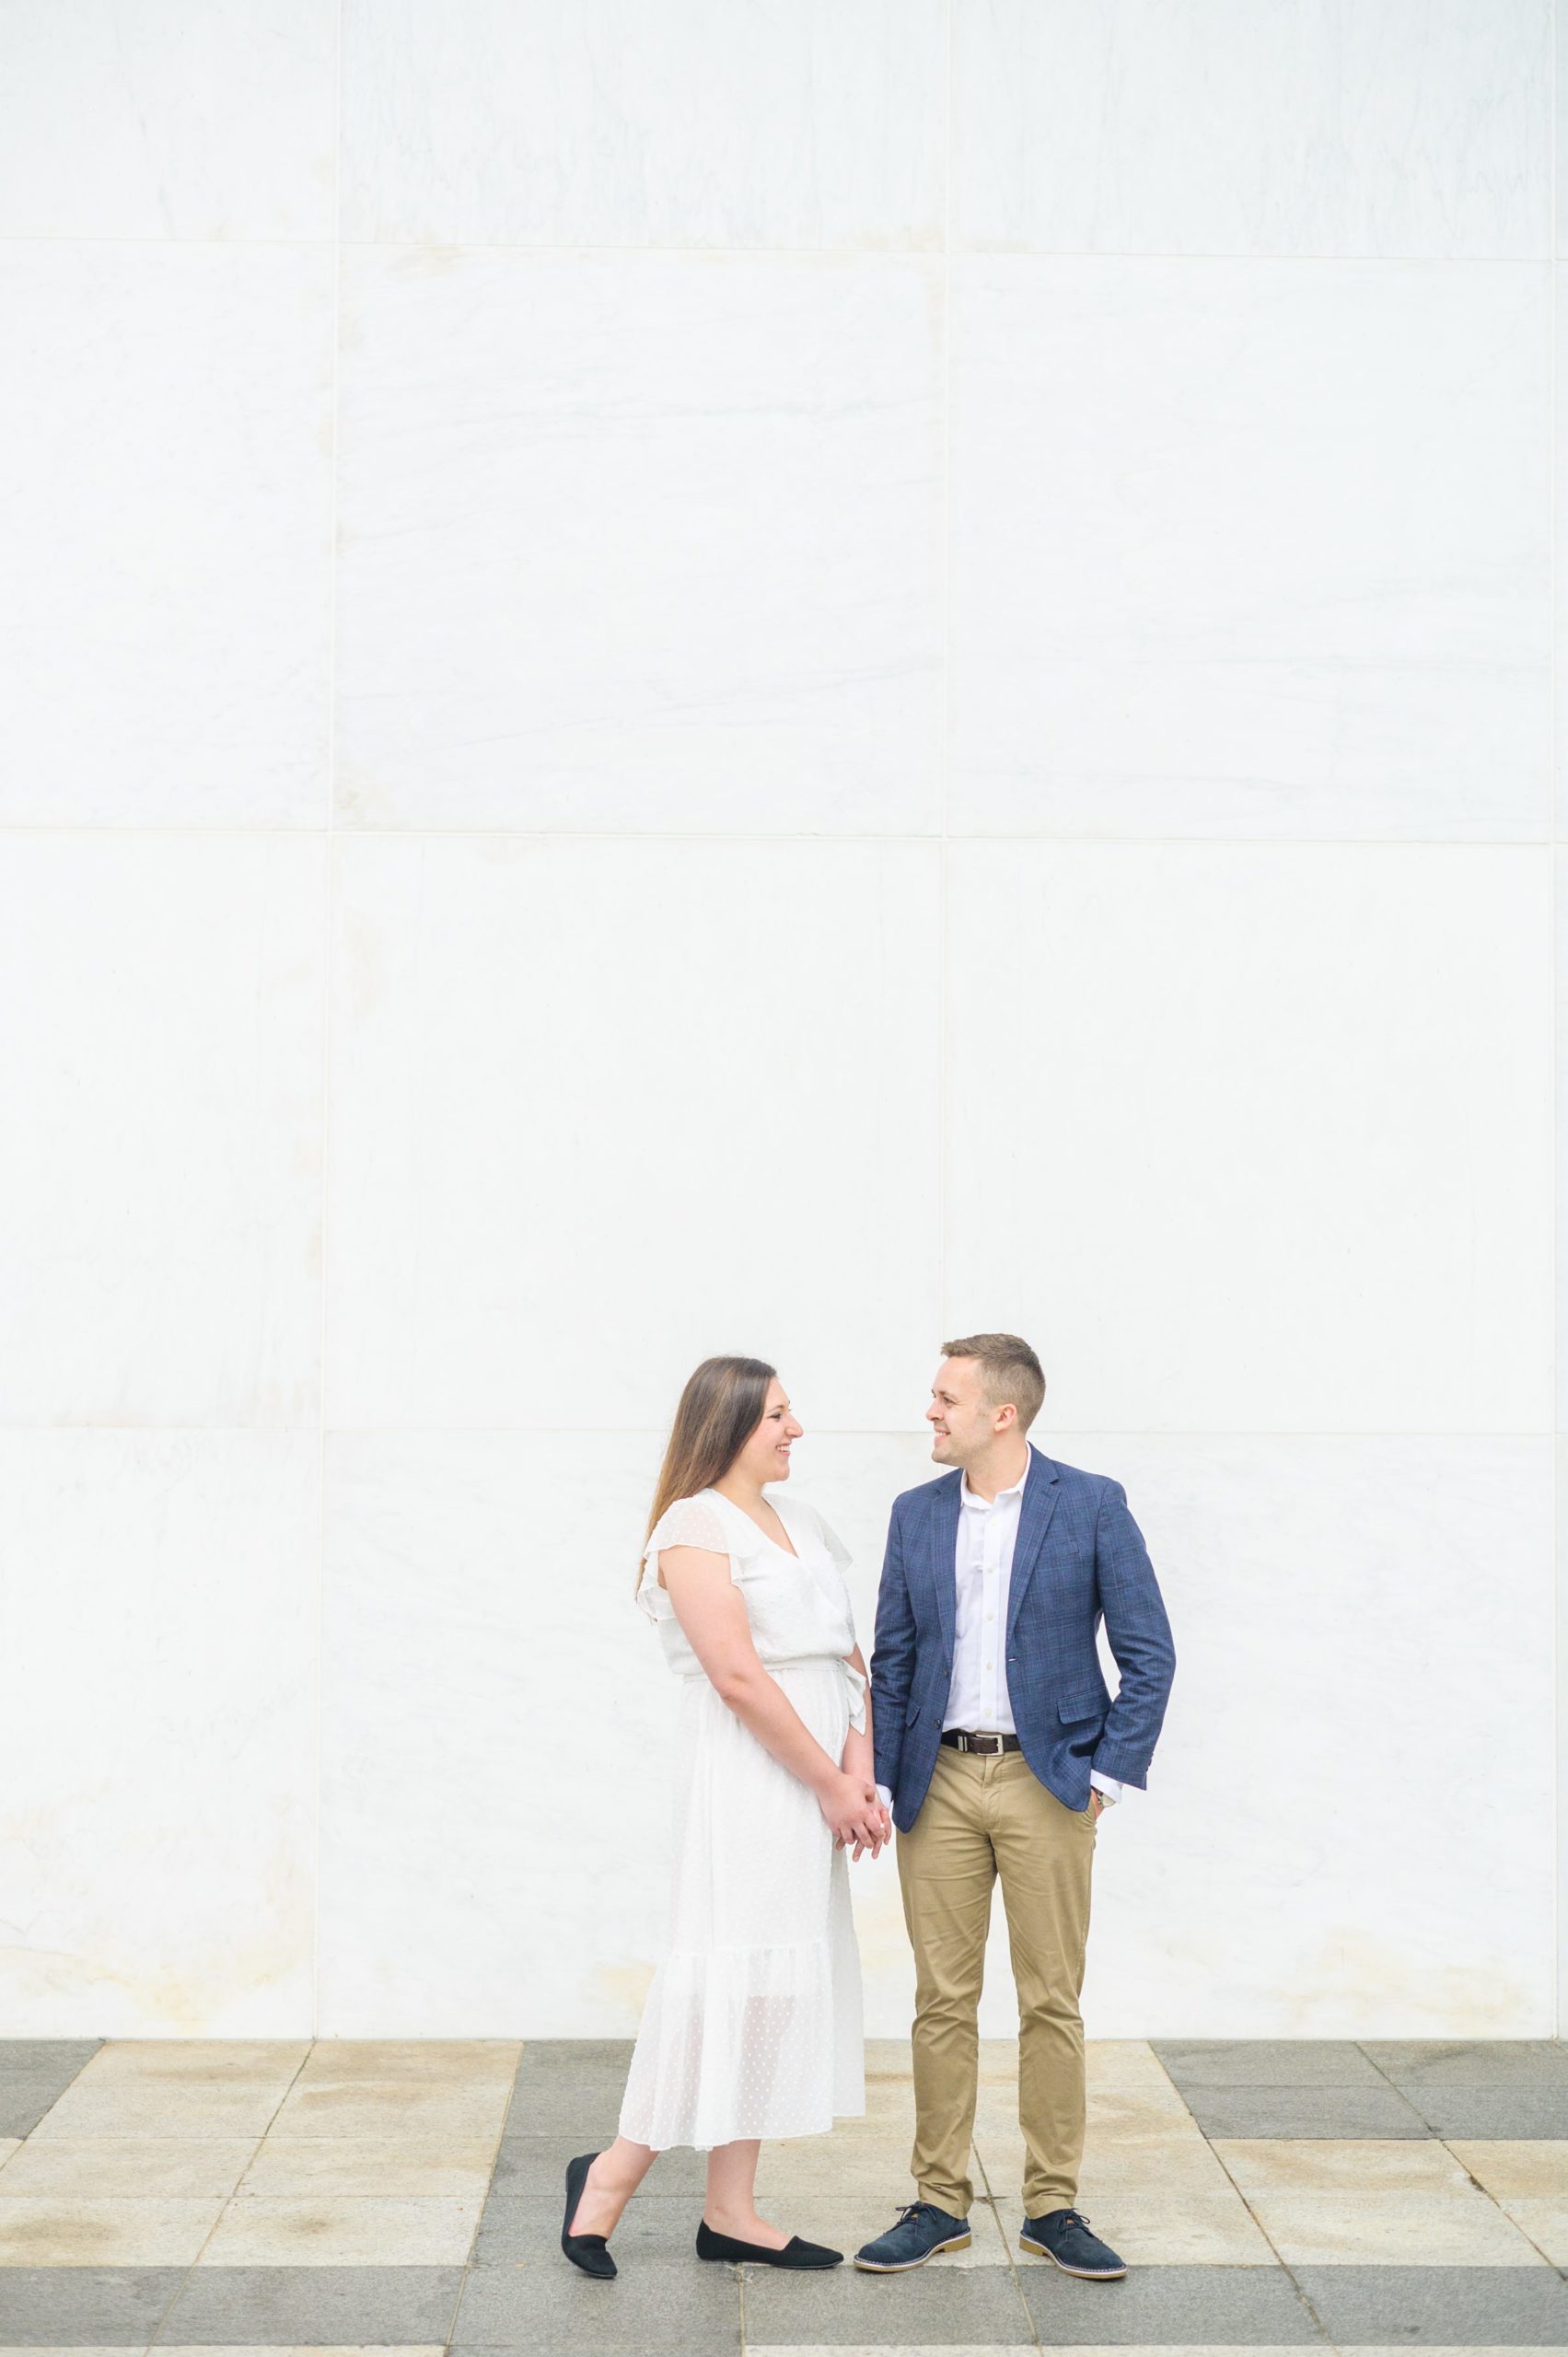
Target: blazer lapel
[
  {"x": 943, "y": 1528},
  {"x": 1040, "y": 1492}
]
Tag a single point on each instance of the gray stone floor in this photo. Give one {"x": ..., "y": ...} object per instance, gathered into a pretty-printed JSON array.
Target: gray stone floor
[{"x": 351, "y": 2197}]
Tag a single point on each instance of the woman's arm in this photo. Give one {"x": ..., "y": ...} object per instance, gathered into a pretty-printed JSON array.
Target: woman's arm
[
  {"x": 712, "y": 1612},
  {"x": 860, "y": 1755}
]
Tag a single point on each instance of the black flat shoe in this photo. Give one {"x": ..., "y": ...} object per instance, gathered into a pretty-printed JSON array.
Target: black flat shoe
[
  {"x": 590, "y": 2252},
  {"x": 795, "y": 2253}
]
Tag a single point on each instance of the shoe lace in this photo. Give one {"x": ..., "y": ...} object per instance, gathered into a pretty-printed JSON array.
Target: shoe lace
[{"x": 915, "y": 2209}]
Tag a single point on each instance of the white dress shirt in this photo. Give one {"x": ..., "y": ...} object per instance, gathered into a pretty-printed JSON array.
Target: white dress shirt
[{"x": 982, "y": 1574}]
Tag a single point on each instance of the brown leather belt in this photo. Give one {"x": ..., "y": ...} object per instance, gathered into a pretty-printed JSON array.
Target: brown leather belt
[{"x": 962, "y": 1740}]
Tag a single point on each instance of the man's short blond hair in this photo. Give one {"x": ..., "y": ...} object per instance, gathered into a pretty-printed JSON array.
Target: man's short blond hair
[{"x": 1009, "y": 1371}]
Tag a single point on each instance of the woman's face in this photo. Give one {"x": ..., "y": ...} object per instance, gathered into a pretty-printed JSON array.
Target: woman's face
[{"x": 766, "y": 1455}]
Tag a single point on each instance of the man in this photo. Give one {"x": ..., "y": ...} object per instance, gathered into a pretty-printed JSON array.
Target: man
[{"x": 997, "y": 1747}]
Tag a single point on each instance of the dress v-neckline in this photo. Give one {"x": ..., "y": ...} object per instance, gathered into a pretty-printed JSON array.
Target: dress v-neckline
[{"x": 791, "y": 1551}]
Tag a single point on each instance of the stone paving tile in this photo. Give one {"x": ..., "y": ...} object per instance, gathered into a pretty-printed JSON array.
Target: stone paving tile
[
  {"x": 1439, "y": 2307},
  {"x": 137, "y": 2063},
  {"x": 408, "y": 2169},
  {"x": 1527, "y": 2180},
  {"x": 1029, "y": 2349},
  {"x": 173, "y": 2166},
  {"x": 1161, "y": 2110},
  {"x": 1157, "y": 2166},
  {"x": 1123, "y": 2063},
  {"x": 1270, "y": 2165},
  {"x": 1267, "y": 2063},
  {"x": 550, "y": 2106},
  {"x": 831, "y": 2165},
  {"x": 1158, "y": 2108},
  {"x": 1544, "y": 2224},
  {"x": 118, "y": 2232},
  {"x": 537, "y": 2165},
  {"x": 1472, "y": 2349},
  {"x": 932, "y": 2305},
  {"x": 34, "y": 2074},
  {"x": 258, "y": 2306},
  {"x": 558, "y": 2309},
  {"x": 550, "y": 2096},
  {"x": 46, "y": 2053},
  {"x": 1193, "y": 2230},
  {"x": 527, "y": 2230},
  {"x": 354, "y": 2231},
  {"x": 205, "y": 2106},
  {"x": 1523, "y": 2112},
  {"x": 892, "y": 2348},
  {"x": 1532, "y": 2170},
  {"x": 1477, "y": 2062},
  {"x": 1426, "y": 2229},
  {"x": 117, "y": 2305},
  {"x": 416, "y": 2062},
  {"x": 572, "y": 2056},
  {"x": 1304, "y": 2111},
  {"x": 340, "y": 2108},
  {"x": 1158, "y": 2305}
]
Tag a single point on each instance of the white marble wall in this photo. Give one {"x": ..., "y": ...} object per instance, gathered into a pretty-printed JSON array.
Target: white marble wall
[{"x": 768, "y": 677}]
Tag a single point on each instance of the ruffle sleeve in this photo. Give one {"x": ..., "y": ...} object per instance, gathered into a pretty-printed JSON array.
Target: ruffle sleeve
[
  {"x": 832, "y": 1543},
  {"x": 688, "y": 1522}
]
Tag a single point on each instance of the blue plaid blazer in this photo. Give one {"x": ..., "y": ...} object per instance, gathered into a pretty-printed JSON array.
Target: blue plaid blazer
[{"x": 1079, "y": 1556}]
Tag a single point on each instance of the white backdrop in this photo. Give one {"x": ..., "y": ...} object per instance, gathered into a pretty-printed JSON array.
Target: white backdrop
[{"x": 782, "y": 677}]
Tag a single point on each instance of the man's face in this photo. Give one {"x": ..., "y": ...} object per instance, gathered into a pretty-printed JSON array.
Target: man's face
[{"x": 962, "y": 1419}]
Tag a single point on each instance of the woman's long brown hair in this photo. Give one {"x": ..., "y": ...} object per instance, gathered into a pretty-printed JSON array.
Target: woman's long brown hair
[{"x": 720, "y": 1408}]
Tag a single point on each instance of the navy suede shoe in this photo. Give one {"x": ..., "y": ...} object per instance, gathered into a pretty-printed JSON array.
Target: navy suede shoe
[
  {"x": 922, "y": 2230},
  {"x": 1063, "y": 2235}
]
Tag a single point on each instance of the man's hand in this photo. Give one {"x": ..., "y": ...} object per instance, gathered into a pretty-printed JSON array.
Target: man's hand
[
  {"x": 882, "y": 1825},
  {"x": 1097, "y": 1802},
  {"x": 854, "y": 1812}
]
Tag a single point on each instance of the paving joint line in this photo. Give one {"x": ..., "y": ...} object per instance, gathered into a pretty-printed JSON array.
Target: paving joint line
[
  {"x": 1280, "y": 2260},
  {"x": 466, "y": 2268},
  {"x": 157, "y": 2340},
  {"x": 1012, "y": 2263}
]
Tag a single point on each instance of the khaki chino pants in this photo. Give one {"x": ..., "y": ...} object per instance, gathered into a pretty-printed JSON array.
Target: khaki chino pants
[{"x": 984, "y": 1816}]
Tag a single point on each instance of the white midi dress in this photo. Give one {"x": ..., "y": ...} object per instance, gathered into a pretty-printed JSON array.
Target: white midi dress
[{"x": 753, "y": 2024}]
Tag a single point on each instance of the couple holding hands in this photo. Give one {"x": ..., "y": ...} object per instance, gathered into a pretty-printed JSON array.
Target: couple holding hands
[{"x": 983, "y": 1731}]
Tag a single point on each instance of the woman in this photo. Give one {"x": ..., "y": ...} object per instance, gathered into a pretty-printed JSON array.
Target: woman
[{"x": 752, "y": 2026}]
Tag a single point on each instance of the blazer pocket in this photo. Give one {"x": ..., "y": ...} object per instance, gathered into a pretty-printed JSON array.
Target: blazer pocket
[
  {"x": 1090, "y": 1703},
  {"x": 912, "y": 1713}
]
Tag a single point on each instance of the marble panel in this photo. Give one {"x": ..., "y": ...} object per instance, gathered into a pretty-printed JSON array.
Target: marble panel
[
  {"x": 1393, "y": 128},
  {"x": 601, "y": 1111},
  {"x": 1245, "y": 551},
  {"x": 165, "y": 577},
  {"x": 1265, "y": 1142},
  {"x": 599, "y": 123},
  {"x": 217, "y": 122},
  {"x": 156, "y": 1748},
  {"x": 161, "y": 1232},
  {"x": 639, "y": 544}
]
